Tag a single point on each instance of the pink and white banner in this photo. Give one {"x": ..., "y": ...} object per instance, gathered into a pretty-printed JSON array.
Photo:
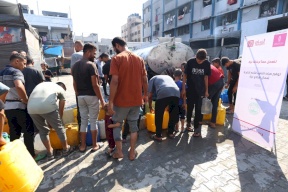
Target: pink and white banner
[{"x": 261, "y": 86}]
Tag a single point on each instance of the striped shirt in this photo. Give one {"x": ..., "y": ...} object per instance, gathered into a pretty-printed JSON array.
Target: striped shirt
[{"x": 7, "y": 76}]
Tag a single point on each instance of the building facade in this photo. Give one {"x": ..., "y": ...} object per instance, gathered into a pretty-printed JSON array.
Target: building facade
[
  {"x": 54, "y": 28},
  {"x": 132, "y": 30},
  {"x": 217, "y": 25}
]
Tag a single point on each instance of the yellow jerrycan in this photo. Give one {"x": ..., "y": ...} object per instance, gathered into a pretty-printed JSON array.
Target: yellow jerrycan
[
  {"x": 54, "y": 140},
  {"x": 75, "y": 115},
  {"x": 101, "y": 115},
  {"x": 221, "y": 114},
  {"x": 165, "y": 120},
  {"x": 150, "y": 119},
  {"x": 18, "y": 170},
  {"x": 72, "y": 134}
]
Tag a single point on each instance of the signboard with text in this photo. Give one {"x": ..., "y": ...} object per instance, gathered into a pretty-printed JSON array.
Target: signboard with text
[{"x": 261, "y": 86}]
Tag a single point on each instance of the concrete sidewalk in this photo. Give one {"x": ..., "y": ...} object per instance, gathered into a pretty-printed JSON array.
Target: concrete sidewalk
[{"x": 219, "y": 161}]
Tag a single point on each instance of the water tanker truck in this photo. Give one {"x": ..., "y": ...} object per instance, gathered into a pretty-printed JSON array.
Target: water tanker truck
[{"x": 165, "y": 55}]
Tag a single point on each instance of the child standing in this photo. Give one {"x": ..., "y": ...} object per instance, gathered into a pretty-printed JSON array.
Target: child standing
[
  {"x": 109, "y": 132},
  {"x": 181, "y": 106}
]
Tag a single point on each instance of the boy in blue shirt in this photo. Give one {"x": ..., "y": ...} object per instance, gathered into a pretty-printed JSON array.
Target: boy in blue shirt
[{"x": 181, "y": 105}]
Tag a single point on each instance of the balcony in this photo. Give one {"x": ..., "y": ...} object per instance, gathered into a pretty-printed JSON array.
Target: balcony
[
  {"x": 169, "y": 23},
  {"x": 183, "y": 20}
]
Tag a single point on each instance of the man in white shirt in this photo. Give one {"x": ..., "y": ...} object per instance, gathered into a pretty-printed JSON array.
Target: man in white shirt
[
  {"x": 42, "y": 106},
  {"x": 78, "y": 45}
]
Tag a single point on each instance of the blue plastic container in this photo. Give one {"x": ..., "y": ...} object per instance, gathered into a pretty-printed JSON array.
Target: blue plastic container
[
  {"x": 6, "y": 137},
  {"x": 224, "y": 96},
  {"x": 89, "y": 136}
]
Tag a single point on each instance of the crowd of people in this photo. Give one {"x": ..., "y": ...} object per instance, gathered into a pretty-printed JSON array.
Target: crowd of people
[{"x": 31, "y": 98}]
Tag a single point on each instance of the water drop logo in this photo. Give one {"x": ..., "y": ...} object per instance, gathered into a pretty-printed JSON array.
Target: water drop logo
[{"x": 279, "y": 40}]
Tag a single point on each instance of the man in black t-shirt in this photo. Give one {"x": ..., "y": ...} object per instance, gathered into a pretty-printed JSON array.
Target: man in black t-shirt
[
  {"x": 106, "y": 69},
  {"x": 196, "y": 75},
  {"x": 233, "y": 70},
  {"x": 32, "y": 76}
]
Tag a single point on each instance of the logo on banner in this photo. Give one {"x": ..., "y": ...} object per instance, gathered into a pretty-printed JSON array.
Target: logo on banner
[
  {"x": 279, "y": 40},
  {"x": 254, "y": 108},
  {"x": 250, "y": 43}
]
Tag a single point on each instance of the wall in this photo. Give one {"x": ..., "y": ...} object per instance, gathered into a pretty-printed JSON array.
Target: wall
[
  {"x": 197, "y": 33},
  {"x": 40, "y": 20},
  {"x": 249, "y": 29},
  {"x": 250, "y": 13},
  {"x": 229, "y": 28},
  {"x": 249, "y": 2},
  {"x": 185, "y": 37},
  {"x": 181, "y": 2},
  {"x": 201, "y": 12},
  {"x": 169, "y": 6}
]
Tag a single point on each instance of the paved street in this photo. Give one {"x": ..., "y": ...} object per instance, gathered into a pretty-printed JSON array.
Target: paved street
[{"x": 219, "y": 161}]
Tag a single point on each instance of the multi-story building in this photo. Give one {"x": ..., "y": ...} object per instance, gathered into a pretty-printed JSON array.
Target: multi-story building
[
  {"x": 54, "y": 28},
  {"x": 220, "y": 26},
  {"x": 132, "y": 30}
]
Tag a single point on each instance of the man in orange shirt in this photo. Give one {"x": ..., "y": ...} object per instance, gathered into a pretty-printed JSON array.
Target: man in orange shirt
[{"x": 129, "y": 79}]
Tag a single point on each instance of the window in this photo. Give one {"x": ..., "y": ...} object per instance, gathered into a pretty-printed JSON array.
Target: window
[
  {"x": 169, "y": 18},
  {"x": 139, "y": 32},
  {"x": 157, "y": 27},
  {"x": 227, "y": 19},
  {"x": 206, "y": 2},
  {"x": 268, "y": 8},
  {"x": 147, "y": 9},
  {"x": 148, "y": 24},
  {"x": 205, "y": 25},
  {"x": 64, "y": 35},
  {"x": 157, "y": 14},
  {"x": 183, "y": 30},
  {"x": 285, "y": 9},
  {"x": 184, "y": 10},
  {"x": 169, "y": 33}
]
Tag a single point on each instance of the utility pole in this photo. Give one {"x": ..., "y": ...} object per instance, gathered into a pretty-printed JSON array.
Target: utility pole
[{"x": 38, "y": 7}]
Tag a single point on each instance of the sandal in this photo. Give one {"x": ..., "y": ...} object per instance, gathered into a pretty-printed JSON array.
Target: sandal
[
  {"x": 110, "y": 152},
  {"x": 196, "y": 135},
  {"x": 171, "y": 136},
  {"x": 40, "y": 157},
  {"x": 84, "y": 150},
  {"x": 67, "y": 151},
  {"x": 155, "y": 138},
  {"x": 50, "y": 157},
  {"x": 136, "y": 154},
  {"x": 212, "y": 125},
  {"x": 183, "y": 130},
  {"x": 189, "y": 129},
  {"x": 230, "y": 112},
  {"x": 94, "y": 150}
]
